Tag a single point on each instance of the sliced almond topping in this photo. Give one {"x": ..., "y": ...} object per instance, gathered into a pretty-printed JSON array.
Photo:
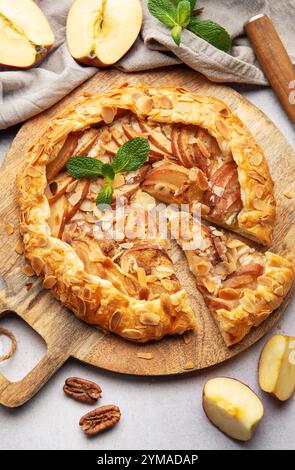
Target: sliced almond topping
[
  {"x": 28, "y": 271},
  {"x": 72, "y": 186},
  {"x": 37, "y": 264},
  {"x": 144, "y": 104},
  {"x": 256, "y": 176},
  {"x": 143, "y": 355},
  {"x": 87, "y": 293},
  {"x": 141, "y": 275},
  {"x": 108, "y": 114},
  {"x": 279, "y": 291},
  {"x": 9, "y": 229},
  {"x": 166, "y": 304},
  {"x": 256, "y": 159},
  {"x": 87, "y": 206},
  {"x": 162, "y": 102},
  {"x": 193, "y": 174},
  {"x": 234, "y": 243},
  {"x": 167, "y": 284},
  {"x": 151, "y": 278},
  {"x": 260, "y": 205},
  {"x": 49, "y": 282},
  {"x": 209, "y": 284},
  {"x": 119, "y": 181},
  {"x": 162, "y": 271},
  {"x": 149, "y": 319},
  {"x": 223, "y": 129},
  {"x": 132, "y": 334},
  {"x": 203, "y": 268},
  {"x": 33, "y": 171},
  {"x": 75, "y": 197},
  {"x": 259, "y": 190}
]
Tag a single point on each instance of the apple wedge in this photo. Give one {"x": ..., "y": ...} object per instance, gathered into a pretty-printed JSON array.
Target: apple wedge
[
  {"x": 277, "y": 367},
  {"x": 232, "y": 407},
  {"x": 100, "y": 32},
  {"x": 25, "y": 34}
]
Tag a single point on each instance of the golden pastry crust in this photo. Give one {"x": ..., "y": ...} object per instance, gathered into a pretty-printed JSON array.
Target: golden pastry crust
[
  {"x": 240, "y": 285},
  {"x": 258, "y": 303},
  {"x": 96, "y": 300}
]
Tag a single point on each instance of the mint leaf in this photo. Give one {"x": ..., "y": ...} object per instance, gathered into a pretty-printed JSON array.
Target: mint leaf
[
  {"x": 193, "y": 4},
  {"x": 164, "y": 11},
  {"x": 211, "y": 32},
  {"x": 107, "y": 171},
  {"x": 105, "y": 195},
  {"x": 176, "y": 34},
  {"x": 84, "y": 167},
  {"x": 131, "y": 156},
  {"x": 183, "y": 13}
]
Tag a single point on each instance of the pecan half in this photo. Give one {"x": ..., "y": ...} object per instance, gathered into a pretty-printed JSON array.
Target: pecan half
[
  {"x": 100, "y": 419},
  {"x": 82, "y": 390}
]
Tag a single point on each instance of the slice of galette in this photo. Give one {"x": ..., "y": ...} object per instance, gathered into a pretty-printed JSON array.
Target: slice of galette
[
  {"x": 240, "y": 285},
  {"x": 198, "y": 152}
]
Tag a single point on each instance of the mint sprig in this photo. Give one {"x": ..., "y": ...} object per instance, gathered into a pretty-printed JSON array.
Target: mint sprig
[
  {"x": 211, "y": 32},
  {"x": 180, "y": 14},
  {"x": 130, "y": 157}
]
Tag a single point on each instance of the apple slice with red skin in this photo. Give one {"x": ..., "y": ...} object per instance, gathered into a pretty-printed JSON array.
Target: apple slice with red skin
[
  {"x": 159, "y": 140},
  {"x": 155, "y": 154},
  {"x": 277, "y": 367},
  {"x": 232, "y": 407}
]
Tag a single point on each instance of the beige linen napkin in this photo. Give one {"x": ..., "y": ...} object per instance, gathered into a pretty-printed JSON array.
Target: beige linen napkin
[{"x": 26, "y": 93}]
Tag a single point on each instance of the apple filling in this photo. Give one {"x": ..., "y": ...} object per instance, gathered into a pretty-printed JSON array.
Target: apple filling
[{"x": 185, "y": 165}]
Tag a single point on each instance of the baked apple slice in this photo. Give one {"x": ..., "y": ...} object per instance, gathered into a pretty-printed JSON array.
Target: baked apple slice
[
  {"x": 100, "y": 32},
  {"x": 232, "y": 407},
  {"x": 277, "y": 367},
  {"x": 240, "y": 285},
  {"x": 25, "y": 34}
]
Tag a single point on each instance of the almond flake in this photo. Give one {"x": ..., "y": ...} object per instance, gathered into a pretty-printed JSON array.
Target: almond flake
[
  {"x": 19, "y": 248},
  {"x": 188, "y": 365},
  {"x": 223, "y": 129},
  {"x": 28, "y": 271},
  {"x": 143, "y": 355},
  {"x": 9, "y": 229},
  {"x": 108, "y": 114},
  {"x": 256, "y": 159},
  {"x": 288, "y": 194},
  {"x": 144, "y": 104},
  {"x": 149, "y": 319}
]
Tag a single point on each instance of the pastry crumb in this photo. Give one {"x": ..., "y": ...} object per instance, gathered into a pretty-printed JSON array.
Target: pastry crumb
[
  {"x": 143, "y": 355},
  {"x": 189, "y": 365},
  {"x": 9, "y": 229},
  {"x": 19, "y": 248}
]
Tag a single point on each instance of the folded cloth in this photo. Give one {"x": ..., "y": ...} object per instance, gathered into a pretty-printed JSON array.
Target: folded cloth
[{"x": 26, "y": 93}]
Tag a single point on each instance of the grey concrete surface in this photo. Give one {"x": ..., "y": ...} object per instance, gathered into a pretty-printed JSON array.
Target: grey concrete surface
[{"x": 160, "y": 413}]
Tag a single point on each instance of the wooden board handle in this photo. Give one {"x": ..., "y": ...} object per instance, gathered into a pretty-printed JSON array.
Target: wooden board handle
[
  {"x": 273, "y": 59},
  {"x": 13, "y": 394}
]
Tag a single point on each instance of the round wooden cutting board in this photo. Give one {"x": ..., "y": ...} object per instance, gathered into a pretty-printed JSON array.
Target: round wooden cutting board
[{"x": 64, "y": 334}]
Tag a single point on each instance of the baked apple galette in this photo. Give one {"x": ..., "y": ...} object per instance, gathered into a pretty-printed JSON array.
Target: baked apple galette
[{"x": 140, "y": 146}]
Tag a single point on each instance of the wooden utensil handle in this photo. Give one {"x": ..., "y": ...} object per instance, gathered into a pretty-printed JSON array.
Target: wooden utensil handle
[{"x": 274, "y": 60}]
